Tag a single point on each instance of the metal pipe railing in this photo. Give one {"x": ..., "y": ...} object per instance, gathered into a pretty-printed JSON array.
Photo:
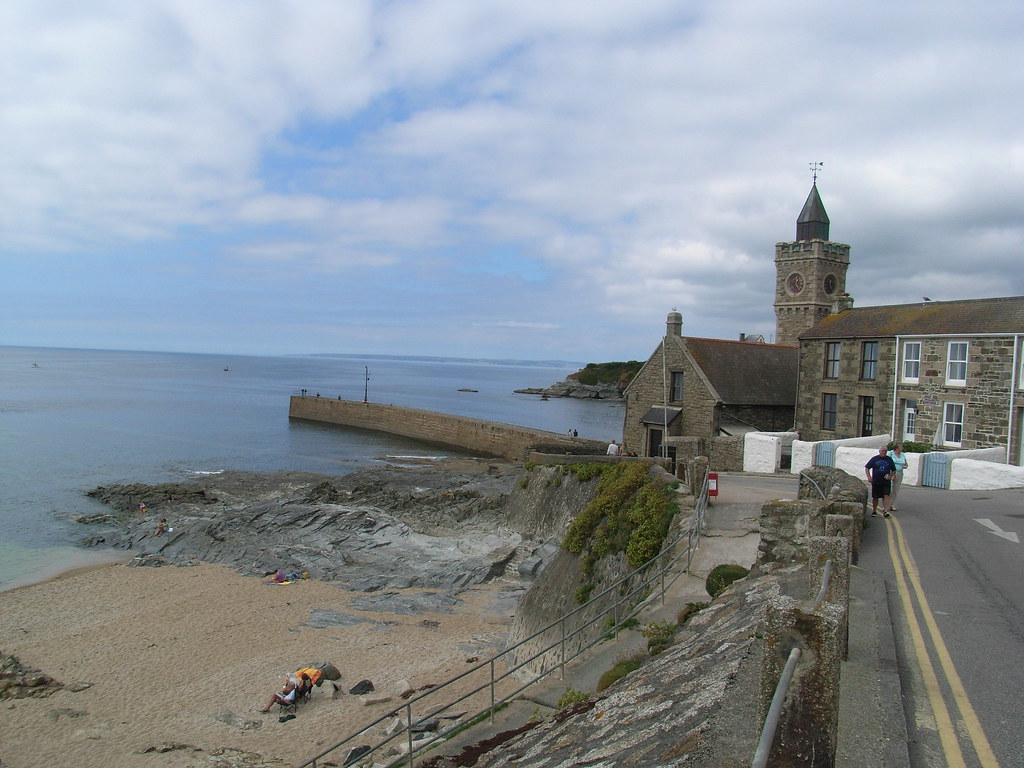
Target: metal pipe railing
[
  {"x": 692, "y": 537},
  {"x": 771, "y": 720}
]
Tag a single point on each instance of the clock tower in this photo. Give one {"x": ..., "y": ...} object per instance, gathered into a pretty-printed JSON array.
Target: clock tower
[{"x": 809, "y": 273}]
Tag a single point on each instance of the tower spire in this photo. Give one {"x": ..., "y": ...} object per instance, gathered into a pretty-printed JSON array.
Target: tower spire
[{"x": 813, "y": 222}]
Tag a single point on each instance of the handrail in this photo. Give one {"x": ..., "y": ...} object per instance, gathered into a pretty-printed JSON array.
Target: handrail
[
  {"x": 771, "y": 720},
  {"x": 692, "y": 537},
  {"x": 810, "y": 479}
]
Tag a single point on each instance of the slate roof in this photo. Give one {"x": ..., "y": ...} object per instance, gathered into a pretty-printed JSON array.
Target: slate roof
[
  {"x": 929, "y": 318},
  {"x": 746, "y": 373},
  {"x": 660, "y": 415},
  {"x": 812, "y": 223}
]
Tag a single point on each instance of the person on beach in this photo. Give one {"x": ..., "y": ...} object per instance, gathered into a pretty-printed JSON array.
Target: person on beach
[
  {"x": 287, "y": 695},
  {"x": 896, "y": 454},
  {"x": 879, "y": 472},
  {"x": 613, "y": 448},
  {"x": 142, "y": 507},
  {"x": 161, "y": 528}
]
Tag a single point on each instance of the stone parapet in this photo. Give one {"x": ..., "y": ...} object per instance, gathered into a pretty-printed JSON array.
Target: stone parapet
[{"x": 490, "y": 438}]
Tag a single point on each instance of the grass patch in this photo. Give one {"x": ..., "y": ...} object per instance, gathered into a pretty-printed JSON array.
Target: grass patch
[
  {"x": 572, "y": 696},
  {"x": 620, "y": 670}
]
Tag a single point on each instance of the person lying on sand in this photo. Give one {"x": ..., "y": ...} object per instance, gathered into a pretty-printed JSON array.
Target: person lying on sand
[{"x": 287, "y": 695}]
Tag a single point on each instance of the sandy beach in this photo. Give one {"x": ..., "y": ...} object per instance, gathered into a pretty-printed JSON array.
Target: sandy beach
[{"x": 186, "y": 656}]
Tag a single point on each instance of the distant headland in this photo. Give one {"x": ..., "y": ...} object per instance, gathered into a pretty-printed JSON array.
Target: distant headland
[{"x": 598, "y": 381}]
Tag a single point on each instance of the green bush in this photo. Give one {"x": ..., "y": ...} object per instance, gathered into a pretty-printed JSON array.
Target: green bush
[
  {"x": 596, "y": 373},
  {"x": 913, "y": 447},
  {"x": 659, "y": 635},
  {"x": 722, "y": 576},
  {"x": 583, "y": 593},
  {"x": 621, "y": 669}
]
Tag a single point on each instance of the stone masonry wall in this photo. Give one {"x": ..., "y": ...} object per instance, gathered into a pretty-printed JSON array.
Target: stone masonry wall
[
  {"x": 849, "y": 387},
  {"x": 490, "y": 438}
]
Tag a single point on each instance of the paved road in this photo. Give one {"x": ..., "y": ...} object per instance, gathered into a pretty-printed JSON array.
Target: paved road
[{"x": 956, "y": 593}]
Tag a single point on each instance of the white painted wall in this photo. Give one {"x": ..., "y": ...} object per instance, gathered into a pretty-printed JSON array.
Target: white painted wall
[
  {"x": 978, "y": 475},
  {"x": 998, "y": 455},
  {"x": 803, "y": 456},
  {"x": 762, "y": 451},
  {"x": 803, "y": 452}
]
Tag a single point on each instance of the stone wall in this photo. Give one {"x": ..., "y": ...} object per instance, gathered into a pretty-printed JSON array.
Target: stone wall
[
  {"x": 726, "y": 454},
  {"x": 489, "y": 438}
]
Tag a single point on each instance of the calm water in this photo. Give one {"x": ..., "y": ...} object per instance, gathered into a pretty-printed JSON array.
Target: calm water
[{"x": 71, "y": 420}]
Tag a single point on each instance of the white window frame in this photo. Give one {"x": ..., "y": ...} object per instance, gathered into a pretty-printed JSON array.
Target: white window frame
[
  {"x": 911, "y": 365},
  {"x": 952, "y": 379},
  {"x": 952, "y": 423}
]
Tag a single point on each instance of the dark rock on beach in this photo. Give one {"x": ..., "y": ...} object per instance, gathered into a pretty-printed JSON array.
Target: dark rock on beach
[
  {"x": 20, "y": 682},
  {"x": 440, "y": 526}
]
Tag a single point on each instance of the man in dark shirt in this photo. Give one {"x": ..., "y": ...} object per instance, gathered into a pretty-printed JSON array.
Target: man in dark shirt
[{"x": 879, "y": 471}]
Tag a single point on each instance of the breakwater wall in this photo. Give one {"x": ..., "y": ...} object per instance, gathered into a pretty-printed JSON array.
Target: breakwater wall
[{"x": 490, "y": 438}]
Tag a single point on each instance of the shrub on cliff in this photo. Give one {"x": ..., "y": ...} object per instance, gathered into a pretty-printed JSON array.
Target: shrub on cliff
[
  {"x": 722, "y": 576},
  {"x": 620, "y": 670},
  {"x": 630, "y": 513},
  {"x": 607, "y": 373}
]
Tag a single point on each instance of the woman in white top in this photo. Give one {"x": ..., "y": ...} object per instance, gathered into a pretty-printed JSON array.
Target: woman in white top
[{"x": 896, "y": 454}]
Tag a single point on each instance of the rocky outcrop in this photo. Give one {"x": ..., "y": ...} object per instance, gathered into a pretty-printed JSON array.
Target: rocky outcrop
[
  {"x": 20, "y": 682},
  {"x": 572, "y": 388},
  {"x": 554, "y": 592},
  {"x": 445, "y": 526}
]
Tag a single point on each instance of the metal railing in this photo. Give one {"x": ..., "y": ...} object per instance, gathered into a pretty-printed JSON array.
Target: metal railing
[
  {"x": 629, "y": 600},
  {"x": 771, "y": 720}
]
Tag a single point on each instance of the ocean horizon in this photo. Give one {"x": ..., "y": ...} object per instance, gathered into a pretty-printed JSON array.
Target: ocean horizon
[{"x": 75, "y": 419}]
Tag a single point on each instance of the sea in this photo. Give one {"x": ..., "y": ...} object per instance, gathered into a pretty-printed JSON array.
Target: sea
[{"x": 72, "y": 420}]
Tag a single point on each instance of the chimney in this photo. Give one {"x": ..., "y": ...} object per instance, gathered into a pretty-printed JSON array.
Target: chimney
[
  {"x": 674, "y": 324},
  {"x": 841, "y": 303}
]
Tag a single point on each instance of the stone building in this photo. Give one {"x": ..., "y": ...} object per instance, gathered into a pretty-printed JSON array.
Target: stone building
[
  {"x": 704, "y": 388},
  {"x": 809, "y": 273},
  {"x": 946, "y": 373}
]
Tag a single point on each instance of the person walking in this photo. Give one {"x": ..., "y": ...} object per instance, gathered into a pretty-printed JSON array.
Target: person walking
[
  {"x": 900, "y": 461},
  {"x": 613, "y": 448},
  {"x": 879, "y": 471}
]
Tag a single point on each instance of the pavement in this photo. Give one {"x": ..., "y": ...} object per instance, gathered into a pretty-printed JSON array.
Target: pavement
[{"x": 872, "y": 726}]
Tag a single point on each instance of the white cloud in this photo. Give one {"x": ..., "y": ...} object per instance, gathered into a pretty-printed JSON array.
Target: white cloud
[{"x": 593, "y": 165}]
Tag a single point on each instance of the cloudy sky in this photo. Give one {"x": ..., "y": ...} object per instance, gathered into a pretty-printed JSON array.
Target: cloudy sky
[{"x": 490, "y": 178}]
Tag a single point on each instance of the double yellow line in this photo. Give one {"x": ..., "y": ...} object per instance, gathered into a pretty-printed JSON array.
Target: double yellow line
[{"x": 902, "y": 561}]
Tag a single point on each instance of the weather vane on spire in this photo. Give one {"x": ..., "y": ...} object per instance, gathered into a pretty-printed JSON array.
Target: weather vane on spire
[{"x": 815, "y": 167}]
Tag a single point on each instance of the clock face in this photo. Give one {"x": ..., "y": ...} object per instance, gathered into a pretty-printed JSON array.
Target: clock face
[
  {"x": 795, "y": 283},
  {"x": 830, "y": 284}
]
